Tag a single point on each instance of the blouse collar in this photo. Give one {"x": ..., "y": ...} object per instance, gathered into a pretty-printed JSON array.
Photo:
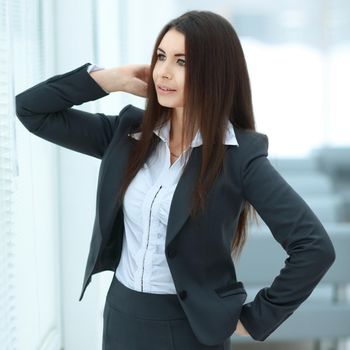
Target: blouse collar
[{"x": 163, "y": 133}]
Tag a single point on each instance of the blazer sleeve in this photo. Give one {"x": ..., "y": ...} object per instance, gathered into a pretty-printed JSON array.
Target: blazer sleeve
[
  {"x": 296, "y": 228},
  {"x": 46, "y": 111}
]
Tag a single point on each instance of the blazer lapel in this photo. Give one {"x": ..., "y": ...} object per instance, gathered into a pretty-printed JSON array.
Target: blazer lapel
[
  {"x": 181, "y": 202},
  {"x": 111, "y": 178},
  {"x": 110, "y": 181}
]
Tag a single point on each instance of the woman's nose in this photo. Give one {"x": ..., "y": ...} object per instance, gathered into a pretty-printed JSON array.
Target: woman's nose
[{"x": 165, "y": 71}]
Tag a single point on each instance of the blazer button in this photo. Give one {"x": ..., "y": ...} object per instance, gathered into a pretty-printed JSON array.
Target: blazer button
[
  {"x": 171, "y": 253},
  {"x": 183, "y": 294}
]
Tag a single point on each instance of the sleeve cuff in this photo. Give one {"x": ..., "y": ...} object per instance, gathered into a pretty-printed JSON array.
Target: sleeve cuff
[{"x": 94, "y": 67}]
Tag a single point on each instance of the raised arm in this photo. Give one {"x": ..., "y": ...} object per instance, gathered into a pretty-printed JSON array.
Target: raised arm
[
  {"x": 296, "y": 228},
  {"x": 46, "y": 108}
]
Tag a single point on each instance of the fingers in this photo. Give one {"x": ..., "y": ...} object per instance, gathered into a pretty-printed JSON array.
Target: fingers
[
  {"x": 142, "y": 71},
  {"x": 137, "y": 78},
  {"x": 143, "y": 89},
  {"x": 139, "y": 88}
]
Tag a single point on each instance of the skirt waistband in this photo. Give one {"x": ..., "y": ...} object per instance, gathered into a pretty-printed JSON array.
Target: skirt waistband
[{"x": 144, "y": 305}]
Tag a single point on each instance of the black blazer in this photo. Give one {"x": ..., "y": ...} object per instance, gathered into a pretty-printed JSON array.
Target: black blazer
[{"x": 198, "y": 250}]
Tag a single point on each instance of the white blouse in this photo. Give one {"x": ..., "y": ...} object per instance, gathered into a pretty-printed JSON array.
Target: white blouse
[{"x": 143, "y": 265}]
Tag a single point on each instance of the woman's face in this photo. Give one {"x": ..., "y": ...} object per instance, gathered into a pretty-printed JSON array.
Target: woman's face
[{"x": 169, "y": 70}]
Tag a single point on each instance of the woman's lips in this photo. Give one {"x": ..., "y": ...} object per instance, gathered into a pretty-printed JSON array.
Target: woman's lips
[{"x": 164, "y": 90}]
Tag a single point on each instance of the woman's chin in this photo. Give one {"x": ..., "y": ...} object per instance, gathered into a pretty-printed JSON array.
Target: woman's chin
[{"x": 168, "y": 104}]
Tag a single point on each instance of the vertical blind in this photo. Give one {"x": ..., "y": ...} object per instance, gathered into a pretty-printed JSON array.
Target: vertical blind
[
  {"x": 19, "y": 48},
  {"x": 8, "y": 173}
]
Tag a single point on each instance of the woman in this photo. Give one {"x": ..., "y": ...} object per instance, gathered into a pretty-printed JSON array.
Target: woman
[{"x": 176, "y": 184}]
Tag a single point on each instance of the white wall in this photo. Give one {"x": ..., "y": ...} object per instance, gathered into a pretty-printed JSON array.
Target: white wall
[{"x": 76, "y": 180}]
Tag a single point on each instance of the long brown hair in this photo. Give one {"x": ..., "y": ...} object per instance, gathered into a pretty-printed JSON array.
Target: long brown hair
[{"x": 217, "y": 88}]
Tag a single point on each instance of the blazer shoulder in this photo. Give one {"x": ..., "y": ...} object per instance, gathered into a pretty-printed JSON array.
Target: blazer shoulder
[
  {"x": 131, "y": 116},
  {"x": 251, "y": 141}
]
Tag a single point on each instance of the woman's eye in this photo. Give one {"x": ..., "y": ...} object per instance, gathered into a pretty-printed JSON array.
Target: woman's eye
[{"x": 159, "y": 55}]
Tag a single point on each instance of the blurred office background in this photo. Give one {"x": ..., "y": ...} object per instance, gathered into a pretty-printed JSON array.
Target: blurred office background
[{"x": 298, "y": 55}]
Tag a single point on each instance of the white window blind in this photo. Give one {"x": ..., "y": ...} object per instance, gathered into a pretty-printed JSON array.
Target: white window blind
[
  {"x": 8, "y": 173},
  {"x": 29, "y": 309}
]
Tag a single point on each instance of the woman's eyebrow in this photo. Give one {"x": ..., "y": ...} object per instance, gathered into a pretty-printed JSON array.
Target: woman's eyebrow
[{"x": 177, "y": 54}]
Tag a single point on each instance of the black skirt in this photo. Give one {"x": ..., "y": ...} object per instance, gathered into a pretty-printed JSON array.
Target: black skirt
[{"x": 134, "y": 320}]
